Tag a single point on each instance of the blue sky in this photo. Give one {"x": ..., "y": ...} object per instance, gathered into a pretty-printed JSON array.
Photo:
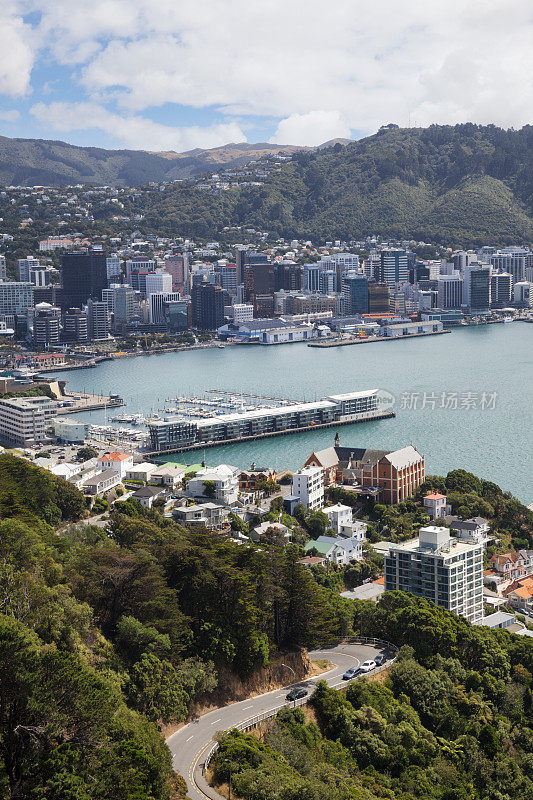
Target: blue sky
[{"x": 178, "y": 74}]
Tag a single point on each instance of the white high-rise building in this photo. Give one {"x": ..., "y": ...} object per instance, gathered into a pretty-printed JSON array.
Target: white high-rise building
[
  {"x": 308, "y": 486},
  {"x": 158, "y": 282},
  {"x": 24, "y": 267},
  {"x": 113, "y": 266},
  {"x": 15, "y": 296},
  {"x": 24, "y": 420},
  {"x": 440, "y": 568},
  {"x": 156, "y": 306}
]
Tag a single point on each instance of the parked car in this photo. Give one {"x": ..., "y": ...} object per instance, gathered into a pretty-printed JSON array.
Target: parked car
[
  {"x": 351, "y": 673},
  {"x": 380, "y": 659},
  {"x": 366, "y": 666},
  {"x": 297, "y": 694}
]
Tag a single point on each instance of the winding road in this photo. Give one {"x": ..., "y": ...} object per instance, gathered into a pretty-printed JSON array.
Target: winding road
[{"x": 191, "y": 744}]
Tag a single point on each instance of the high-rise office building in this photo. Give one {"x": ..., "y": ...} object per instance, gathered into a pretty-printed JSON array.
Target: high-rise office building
[
  {"x": 45, "y": 320},
  {"x": 98, "y": 319},
  {"x": 113, "y": 267},
  {"x": 378, "y": 298},
  {"x": 16, "y": 296},
  {"x": 311, "y": 277},
  {"x": 287, "y": 276},
  {"x": 207, "y": 306},
  {"x": 476, "y": 287},
  {"x": 259, "y": 281},
  {"x": 513, "y": 263},
  {"x": 178, "y": 266},
  {"x": 139, "y": 264},
  {"x": 124, "y": 305},
  {"x": 156, "y": 305},
  {"x": 355, "y": 293},
  {"x": 177, "y": 314},
  {"x": 501, "y": 284},
  {"x": 450, "y": 291},
  {"x": 76, "y": 326},
  {"x": 84, "y": 275},
  {"x": 24, "y": 266},
  {"x": 440, "y": 568},
  {"x": 394, "y": 267},
  {"x": 158, "y": 282},
  {"x": 226, "y": 276}
]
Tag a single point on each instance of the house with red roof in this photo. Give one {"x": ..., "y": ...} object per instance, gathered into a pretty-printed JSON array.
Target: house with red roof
[{"x": 117, "y": 462}]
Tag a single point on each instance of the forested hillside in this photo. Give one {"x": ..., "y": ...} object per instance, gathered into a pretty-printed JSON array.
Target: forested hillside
[
  {"x": 452, "y": 721},
  {"x": 37, "y": 162},
  {"x": 102, "y": 638},
  {"x": 455, "y": 185}
]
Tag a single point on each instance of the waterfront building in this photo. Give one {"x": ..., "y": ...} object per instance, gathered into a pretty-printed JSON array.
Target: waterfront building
[
  {"x": 84, "y": 275},
  {"x": 207, "y": 306},
  {"x": 378, "y": 297},
  {"x": 308, "y": 487},
  {"x": 178, "y": 432},
  {"x": 16, "y": 297},
  {"x": 269, "y": 331},
  {"x": 500, "y": 288},
  {"x": 394, "y": 267},
  {"x": 449, "y": 291},
  {"x": 24, "y": 420},
  {"x": 242, "y": 312},
  {"x": 411, "y": 328},
  {"x": 355, "y": 293},
  {"x": 156, "y": 305},
  {"x": 177, "y": 314},
  {"x": 523, "y": 294},
  {"x": 476, "y": 287},
  {"x": 70, "y": 430},
  {"x": 440, "y": 568},
  {"x": 512, "y": 263}
]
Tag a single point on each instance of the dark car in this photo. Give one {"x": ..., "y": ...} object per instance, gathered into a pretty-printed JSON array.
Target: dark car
[
  {"x": 351, "y": 673},
  {"x": 297, "y": 694},
  {"x": 380, "y": 659}
]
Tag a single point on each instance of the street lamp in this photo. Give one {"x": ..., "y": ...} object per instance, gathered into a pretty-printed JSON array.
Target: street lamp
[{"x": 293, "y": 681}]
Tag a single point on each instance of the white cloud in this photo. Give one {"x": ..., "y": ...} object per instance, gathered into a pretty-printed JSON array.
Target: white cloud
[
  {"x": 134, "y": 131},
  {"x": 312, "y": 128},
  {"x": 361, "y": 63},
  {"x": 9, "y": 116},
  {"x": 16, "y": 54}
]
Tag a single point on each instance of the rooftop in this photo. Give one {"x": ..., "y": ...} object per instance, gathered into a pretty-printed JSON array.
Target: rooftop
[{"x": 115, "y": 457}]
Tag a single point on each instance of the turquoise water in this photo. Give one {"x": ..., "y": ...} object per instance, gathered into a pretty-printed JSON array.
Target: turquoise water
[{"x": 495, "y": 442}]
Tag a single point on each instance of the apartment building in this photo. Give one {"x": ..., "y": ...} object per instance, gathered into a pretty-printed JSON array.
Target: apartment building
[
  {"x": 440, "y": 568},
  {"x": 308, "y": 487},
  {"x": 24, "y": 420}
]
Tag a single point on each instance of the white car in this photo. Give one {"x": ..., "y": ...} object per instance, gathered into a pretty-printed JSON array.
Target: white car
[{"x": 366, "y": 666}]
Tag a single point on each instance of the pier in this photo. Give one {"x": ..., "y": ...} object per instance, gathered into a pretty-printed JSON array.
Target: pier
[
  {"x": 268, "y": 435},
  {"x": 370, "y": 339}
]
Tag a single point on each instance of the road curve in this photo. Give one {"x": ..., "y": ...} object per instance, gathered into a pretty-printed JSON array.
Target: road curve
[{"x": 191, "y": 744}]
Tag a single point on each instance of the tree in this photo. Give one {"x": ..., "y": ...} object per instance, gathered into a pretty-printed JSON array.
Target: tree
[
  {"x": 210, "y": 489},
  {"x": 86, "y": 452}
]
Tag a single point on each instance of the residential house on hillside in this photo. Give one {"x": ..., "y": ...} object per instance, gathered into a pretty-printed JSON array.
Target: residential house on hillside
[
  {"x": 224, "y": 479},
  {"x": 513, "y": 565},
  {"x": 117, "y": 462},
  {"x": 336, "y": 550}
]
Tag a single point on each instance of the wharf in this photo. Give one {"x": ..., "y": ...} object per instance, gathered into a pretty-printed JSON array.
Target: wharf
[
  {"x": 89, "y": 402},
  {"x": 269, "y": 435},
  {"x": 371, "y": 339}
]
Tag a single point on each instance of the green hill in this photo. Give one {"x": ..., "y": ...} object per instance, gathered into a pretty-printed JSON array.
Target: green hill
[
  {"x": 462, "y": 184},
  {"x": 33, "y": 162}
]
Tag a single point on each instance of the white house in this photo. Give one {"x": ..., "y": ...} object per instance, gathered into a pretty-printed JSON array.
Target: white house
[
  {"x": 118, "y": 462},
  {"x": 212, "y": 515},
  {"x": 102, "y": 482},
  {"x": 225, "y": 479},
  {"x": 141, "y": 472},
  {"x": 337, "y": 550},
  {"x": 168, "y": 475},
  {"x": 436, "y": 506},
  {"x": 308, "y": 487},
  {"x": 476, "y": 528},
  {"x": 342, "y": 522}
]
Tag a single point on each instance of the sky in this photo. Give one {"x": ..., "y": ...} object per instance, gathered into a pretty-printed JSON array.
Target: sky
[{"x": 179, "y": 74}]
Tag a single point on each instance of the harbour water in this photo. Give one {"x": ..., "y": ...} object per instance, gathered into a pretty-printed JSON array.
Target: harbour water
[{"x": 464, "y": 400}]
